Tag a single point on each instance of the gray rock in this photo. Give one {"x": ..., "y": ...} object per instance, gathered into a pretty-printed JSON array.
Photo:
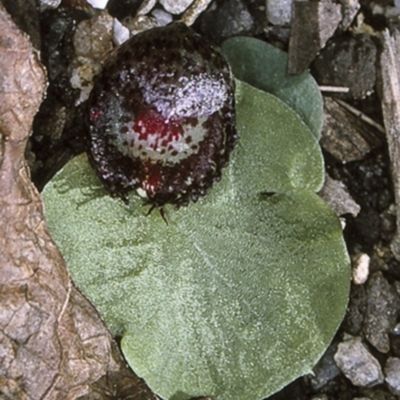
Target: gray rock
[
  {"x": 49, "y": 4},
  {"x": 163, "y": 18},
  {"x": 325, "y": 370},
  {"x": 383, "y": 307},
  {"x": 231, "y": 18},
  {"x": 279, "y": 12},
  {"x": 348, "y": 61},
  {"x": 338, "y": 198},
  {"x": 358, "y": 364},
  {"x": 176, "y": 6},
  {"x": 392, "y": 372}
]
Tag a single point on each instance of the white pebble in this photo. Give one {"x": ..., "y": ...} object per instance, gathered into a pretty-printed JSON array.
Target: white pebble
[
  {"x": 360, "y": 268},
  {"x": 279, "y": 12},
  {"x": 163, "y": 18},
  {"x": 176, "y": 6},
  {"x": 120, "y": 32},
  {"x": 100, "y": 4},
  {"x": 49, "y": 4}
]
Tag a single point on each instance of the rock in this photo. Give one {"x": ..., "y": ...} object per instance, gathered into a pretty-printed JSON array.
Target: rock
[
  {"x": 354, "y": 318},
  {"x": 163, "y": 18},
  {"x": 48, "y": 4},
  {"x": 313, "y": 23},
  {"x": 348, "y": 61},
  {"x": 279, "y": 12},
  {"x": 383, "y": 307},
  {"x": 92, "y": 41},
  {"x": 360, "y": 269},
  {"x": 139, "y": 23},
  {"x": 325, "y": 370},
  {"x": 100, "y": 4},
  {"x": 193, "y": 12},
  {"x": 349, "y": 11},
  {"x": 120, "y": 32},
  {"x": 176, "y": 6},
  {"x": 344, "y": 135},
  {"x": 335, "y": 194},
  {"x": 358, "y": 364},
  {"x": 392, "y": 372},
  {"x": 320, "y": 397},
  {"x": 230, "y": 19}
]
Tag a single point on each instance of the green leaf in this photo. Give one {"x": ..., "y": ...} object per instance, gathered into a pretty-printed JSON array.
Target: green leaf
[
  {"x": 264, "y": 67},
  {"x": 240, "y": 293}
]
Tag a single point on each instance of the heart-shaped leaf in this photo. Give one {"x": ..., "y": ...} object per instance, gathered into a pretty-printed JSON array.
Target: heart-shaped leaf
[
  {"x": 264, "y": 67},
  {"x": 240, "y": 293}
]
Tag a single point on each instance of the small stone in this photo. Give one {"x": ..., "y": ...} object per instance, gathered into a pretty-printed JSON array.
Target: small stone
[
  {"x": 313, "y": 23},
  {"x": 358, "y": 364},
  {"x": 93, "y": 37},
  {"x": 320, "y": 397},
  {"x": 354, "y": 318},
  {"x": 100, "y": 4},
  {"x": 392, "y": 372},
  {"x": 176, "y": 6},
  {"x": 335, "y": 194},
  {"x": 120, "y": 32},
  {"x": 92, "y": 42},
  {"x": 343, "y": 133},
  {"x": 139, "y": 24},
  {"x": 383, "y": 307},
  {"x": 348, "y": 62},
  {"x": 360, "y": 270},
  {"x": 191, "y": 14},
  {"x": 163, "y": 18},
  {"x": 349, "y": 11},
  {"x": 325, "y": 370},
  {"x": 279, "y": 12},
  {"x": 49, "y": 4},
  {"x": 231, "y": 18},
  {"x": 146, "y": 7}
]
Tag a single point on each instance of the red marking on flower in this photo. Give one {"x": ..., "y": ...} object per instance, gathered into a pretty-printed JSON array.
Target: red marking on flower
[{"x": 150, "y": 122}]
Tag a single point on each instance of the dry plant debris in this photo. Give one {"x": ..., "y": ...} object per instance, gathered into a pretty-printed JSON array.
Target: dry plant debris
[
  {"x": 53, "y": 343},
  {"x": 390, "y": 97}
]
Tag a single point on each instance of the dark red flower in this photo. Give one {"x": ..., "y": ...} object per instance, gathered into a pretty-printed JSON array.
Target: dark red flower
[{"x": 162, "y": 117}]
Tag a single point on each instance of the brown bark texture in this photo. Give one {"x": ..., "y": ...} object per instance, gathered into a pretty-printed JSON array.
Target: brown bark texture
[{"x": 53, "y": 344}]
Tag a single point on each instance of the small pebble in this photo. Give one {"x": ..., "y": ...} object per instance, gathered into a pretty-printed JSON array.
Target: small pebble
[
  {"x": 360, "y": 270},
  {"x": 335, "y": 194},
  {"x": 140, "y": 23},
  {"x": 349, "y": 10},
  {"x": 146, "y": 7},
  {"x": 279, "y": 12},
  {"x": 383, "y": 306},
  {"x": 320, "y": 397},
  {"x": 325, "y": 370},
  {"x": 392, "y": 372},
  {"x": 358, "y": 364},
  {"x": 191, "y": 14},
  {"x": 163, "y": 18},
  {"x": 100, "y": 4},
  {"x": 92, "y": 42},
  {"x": 49, "y": 4},
  {"x": 176, "y": 6},
  {"x": 120, "y": 32},
  {"x": 231, "y": 18}
]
